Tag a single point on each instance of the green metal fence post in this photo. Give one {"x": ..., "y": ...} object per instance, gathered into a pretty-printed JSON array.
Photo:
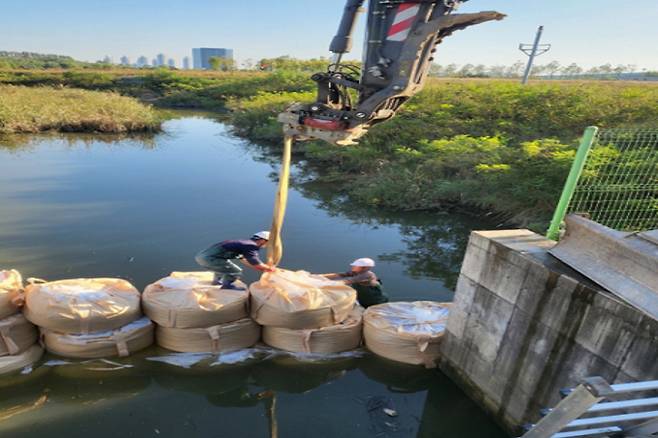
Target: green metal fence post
[{"x": 569, "y": 187}]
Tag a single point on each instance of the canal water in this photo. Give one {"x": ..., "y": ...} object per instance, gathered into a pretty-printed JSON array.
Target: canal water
[{"x": 141, "y": 207}]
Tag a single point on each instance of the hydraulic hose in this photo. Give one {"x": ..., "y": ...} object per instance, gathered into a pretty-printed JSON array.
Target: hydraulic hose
[{"x": 275, "y": 245}]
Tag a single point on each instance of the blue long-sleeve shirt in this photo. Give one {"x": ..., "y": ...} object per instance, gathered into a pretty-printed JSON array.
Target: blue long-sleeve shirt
[{"x": 245, "y": 248}]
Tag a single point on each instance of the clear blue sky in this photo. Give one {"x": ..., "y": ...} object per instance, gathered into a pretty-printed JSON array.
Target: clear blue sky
[{"x": 589, "y": 32}]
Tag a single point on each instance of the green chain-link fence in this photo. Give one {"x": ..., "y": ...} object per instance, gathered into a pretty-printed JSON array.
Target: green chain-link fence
[{"x": 614, "y": 180}]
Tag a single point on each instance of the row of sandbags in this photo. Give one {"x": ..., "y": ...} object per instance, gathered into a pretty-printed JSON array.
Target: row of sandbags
[
  {"x": 18, "y": 336},
  {"x": 301, "y": 312}
]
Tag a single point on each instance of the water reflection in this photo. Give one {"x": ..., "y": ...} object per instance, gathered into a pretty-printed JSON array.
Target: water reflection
[
  {"x": 289, "y": 375},
  {"x": 434, "y": 242},
  {"x": 21, "y": 143},
  {"x": 280, "y": 396}
]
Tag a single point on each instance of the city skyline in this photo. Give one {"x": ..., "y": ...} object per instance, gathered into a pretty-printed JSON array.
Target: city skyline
[{"x": 162, "y": 59}]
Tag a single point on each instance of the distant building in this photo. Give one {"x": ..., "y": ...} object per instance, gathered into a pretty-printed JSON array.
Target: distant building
[
  {"x": 107, "y": 60},
  {"x": 160, "y": 59},
  {"x": 125, "y": 60},
  {"x": 171, "y": 63},
  {"x": 186, "y": 63},
  {"x": 201, "y": 56},
  {"x": 154, "y": 62},
  {"x": 142, "y": 61}
]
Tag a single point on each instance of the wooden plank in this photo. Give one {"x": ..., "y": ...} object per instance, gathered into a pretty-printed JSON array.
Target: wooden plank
[{"x": 568, "y": 410}]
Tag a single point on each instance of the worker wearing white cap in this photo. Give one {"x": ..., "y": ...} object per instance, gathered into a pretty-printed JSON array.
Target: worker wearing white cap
[
  {"x": 219, "y": 258},
  {"x": 361, "y": 277}
]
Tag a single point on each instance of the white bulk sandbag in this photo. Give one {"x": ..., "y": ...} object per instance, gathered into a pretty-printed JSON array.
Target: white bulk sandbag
[
  {"x": 406, "y": 332},
  {"x": 336, "y": 338},
  {"x": 221, "y": 338},
  {"x": 120, "y": 342},
  {"x": 16, "y": 334},
  {"x": 84, "y": 305},
  {"x": 300, "y": 300},
  {"x": 189, "y": 300},
  {"x": 11, "y": 289},
  {"x": 21, "y": 360}
]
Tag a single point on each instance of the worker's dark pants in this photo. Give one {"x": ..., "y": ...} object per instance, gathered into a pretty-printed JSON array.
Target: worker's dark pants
[
  {"x": 220, "y": 261},
  {"x": 368, "y": 295}
]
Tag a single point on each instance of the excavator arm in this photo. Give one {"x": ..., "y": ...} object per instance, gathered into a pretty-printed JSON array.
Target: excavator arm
[{"x": 399, "y": 47}]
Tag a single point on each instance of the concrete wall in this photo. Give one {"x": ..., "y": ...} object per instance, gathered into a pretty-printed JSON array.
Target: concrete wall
[{"x": 524, "y": 325}]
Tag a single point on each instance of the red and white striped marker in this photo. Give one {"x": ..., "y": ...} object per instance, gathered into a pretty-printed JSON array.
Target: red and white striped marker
[{"x": 404, "y": 19}]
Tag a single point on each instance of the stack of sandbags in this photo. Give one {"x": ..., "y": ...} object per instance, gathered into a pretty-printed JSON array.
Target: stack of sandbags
[
  {"x": 306, "y": 313},
  {"x": 18, "y": 336},
  {"x": 88, "y": 317},
  {"x": 406, "y": 332},
  {"x": 194, "y": 316}
]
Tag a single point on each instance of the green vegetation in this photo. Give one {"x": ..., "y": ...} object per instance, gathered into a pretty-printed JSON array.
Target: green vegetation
[
  {"x": 29, "y": 60},
  {"x": 214, "y": 92},
  {"x": 38, "y": 109},
  {"x": 190, "y": 89},
  {"x": 491, "y": 146},
  {"x": 286, "y": 63},
  {"x": 222, "y": 64}
]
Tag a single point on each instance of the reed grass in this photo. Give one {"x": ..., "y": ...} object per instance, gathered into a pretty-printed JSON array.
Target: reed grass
[{"x": 38, "y": 109}]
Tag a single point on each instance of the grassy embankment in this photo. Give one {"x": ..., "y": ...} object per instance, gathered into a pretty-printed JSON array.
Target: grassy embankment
[
  {"x": 29, "y": 110},
  {"x": 486, "y": 144},
  {"x": 188, "y": 89}
]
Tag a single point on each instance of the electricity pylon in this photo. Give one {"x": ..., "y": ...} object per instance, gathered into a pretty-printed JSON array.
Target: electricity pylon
[{"x": 533, "y": 50}]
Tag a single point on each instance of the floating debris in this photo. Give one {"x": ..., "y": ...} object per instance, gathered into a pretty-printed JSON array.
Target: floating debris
[
  {"x": 390, "y": 412},
  {"x": 183, "y": 360},
  {"x": 22, "y": 409},
  {"x": 380, "y": 410}
]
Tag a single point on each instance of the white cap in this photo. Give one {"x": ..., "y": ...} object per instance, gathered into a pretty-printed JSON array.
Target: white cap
[
  {"x": 264, "y": 235},
  {"x": 366, "y": 263}
]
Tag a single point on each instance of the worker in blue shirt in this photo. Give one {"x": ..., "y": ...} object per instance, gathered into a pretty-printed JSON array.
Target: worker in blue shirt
[{"x": 219, "y": 258}]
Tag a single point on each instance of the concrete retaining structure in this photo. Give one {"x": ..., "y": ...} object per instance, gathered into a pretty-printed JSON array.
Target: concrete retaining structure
[{"x": 524, "y": 325}]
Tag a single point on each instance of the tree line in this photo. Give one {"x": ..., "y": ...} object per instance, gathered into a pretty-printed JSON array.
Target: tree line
[
  {"x": 29, "y": 60},
  {"x": 552, "y": 69}
]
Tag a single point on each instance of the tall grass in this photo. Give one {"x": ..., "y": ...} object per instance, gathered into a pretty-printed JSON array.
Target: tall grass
[{"x": 29, "y": 110}]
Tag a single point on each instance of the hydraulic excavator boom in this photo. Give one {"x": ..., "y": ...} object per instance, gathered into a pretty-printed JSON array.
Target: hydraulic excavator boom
[{"x": 399, "y": 47}]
